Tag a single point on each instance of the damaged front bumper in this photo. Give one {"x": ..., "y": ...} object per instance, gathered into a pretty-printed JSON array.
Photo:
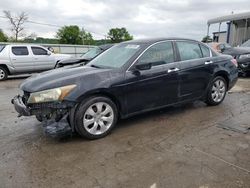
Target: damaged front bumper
[
  {"x": 20, "y": 107},
  {"x": 55, "y": 116}
]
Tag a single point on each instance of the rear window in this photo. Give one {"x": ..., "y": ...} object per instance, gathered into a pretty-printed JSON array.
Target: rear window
[
  {"x": 20, "y": 50},
  {"x": 205, "y": 51},
  {"x": 2, "y": 47},
  {"x": 189, "y": 50}
]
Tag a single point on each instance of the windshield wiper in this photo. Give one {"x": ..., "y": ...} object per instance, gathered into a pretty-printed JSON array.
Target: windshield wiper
[{"x": 95, "y": 66}]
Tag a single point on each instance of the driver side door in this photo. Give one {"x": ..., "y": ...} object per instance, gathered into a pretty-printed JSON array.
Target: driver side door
[{"x": 157, "y": 86}]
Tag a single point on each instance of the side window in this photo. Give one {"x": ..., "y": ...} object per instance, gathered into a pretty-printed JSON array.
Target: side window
[
  {"x": 20, "y": 50},
  {"x": 38, "y": 51},
  {"x": 205, "y": 51},
  {"x": 189, "y": 50},
  {"x": 158, "y": 54}
]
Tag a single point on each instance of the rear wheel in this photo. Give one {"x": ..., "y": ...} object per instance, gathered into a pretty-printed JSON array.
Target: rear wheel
[
  {"x": 96, "y": 117},
  {"x": 3, "y": 74},
  {"x": 217, "y": 91}
]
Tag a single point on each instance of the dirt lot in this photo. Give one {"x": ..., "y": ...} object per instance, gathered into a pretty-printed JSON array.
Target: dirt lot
[{"x": 175, "y": 147}]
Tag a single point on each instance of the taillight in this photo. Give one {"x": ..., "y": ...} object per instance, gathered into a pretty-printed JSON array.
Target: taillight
[{"x": 234, "y": 62}]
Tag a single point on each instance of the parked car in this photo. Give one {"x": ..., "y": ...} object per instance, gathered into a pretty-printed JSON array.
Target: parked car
[
  {"x": 25, "y": 58},
  {"x": 130, "y": 78},
  {"x": 85, "y": 58},
  {"x": 241, "y": 54}
]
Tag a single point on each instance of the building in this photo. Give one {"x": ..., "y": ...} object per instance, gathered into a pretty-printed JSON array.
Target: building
[
  {"x": 238, "y": 30},
  {"x": 220, "y": 36}
]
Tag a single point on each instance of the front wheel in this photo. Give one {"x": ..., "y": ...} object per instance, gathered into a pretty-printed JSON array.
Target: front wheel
[
  {"x": 96, "y": 117},
  {"x": 217, "y": 91}
]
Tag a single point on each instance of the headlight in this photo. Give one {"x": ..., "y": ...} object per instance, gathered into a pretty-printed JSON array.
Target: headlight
[
  {"x": 243, "y": 56},
  {"x": 56, "y": 94}
]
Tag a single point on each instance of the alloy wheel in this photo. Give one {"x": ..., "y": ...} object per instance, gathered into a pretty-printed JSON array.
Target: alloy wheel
[
  {"x": 218, "y": 90},
  {"x": 98, "y": 118}
]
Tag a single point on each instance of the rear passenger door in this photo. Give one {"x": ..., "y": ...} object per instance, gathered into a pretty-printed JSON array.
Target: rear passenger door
[
  {"x": 43, "y": 60},
  {"x": 21, "y": 59},
  {"x": 195, "y": 70}
]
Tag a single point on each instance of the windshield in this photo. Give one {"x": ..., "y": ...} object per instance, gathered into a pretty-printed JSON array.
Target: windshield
[
  {"x": 246, "y": 44},
  {"x": 92, "y": 53},
  {"x": 116, "y": 56},
  {"x": 1, "y": 47}
]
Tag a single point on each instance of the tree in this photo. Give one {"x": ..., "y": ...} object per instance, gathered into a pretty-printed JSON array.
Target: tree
[
  {"x": 87, "y": 37},
  {"x": 3, "y": 37},
  {"x": 16, "y": 22},
  {"x": 73, "y": 35},
  {"x": 206, "y": 39},
  {"x": 119, "y": 35}
]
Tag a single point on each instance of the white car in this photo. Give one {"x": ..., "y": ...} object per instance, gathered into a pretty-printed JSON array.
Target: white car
[{"x": 26, "y": 58}]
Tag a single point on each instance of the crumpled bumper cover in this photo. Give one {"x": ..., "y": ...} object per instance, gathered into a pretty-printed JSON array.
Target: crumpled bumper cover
[
  {"x": 55, "y": 127},
  {"x": 20, "y": 107}
]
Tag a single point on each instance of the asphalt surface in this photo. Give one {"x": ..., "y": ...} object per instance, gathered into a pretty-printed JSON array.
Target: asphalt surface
[{"x": 174, "y": 147}]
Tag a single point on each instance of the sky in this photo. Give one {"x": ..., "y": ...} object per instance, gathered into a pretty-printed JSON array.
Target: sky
[{"x": 142, "y": 18}]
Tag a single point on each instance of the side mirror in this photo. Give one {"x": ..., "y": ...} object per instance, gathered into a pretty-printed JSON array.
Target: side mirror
[
  {"x": 48, "y": 53},
  {"x": 145, "y": 66}
]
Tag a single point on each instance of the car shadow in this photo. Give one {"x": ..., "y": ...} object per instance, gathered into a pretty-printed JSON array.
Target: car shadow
[
  {"x": 17, "y": 77},
  {"x": 155, "y": 115}
]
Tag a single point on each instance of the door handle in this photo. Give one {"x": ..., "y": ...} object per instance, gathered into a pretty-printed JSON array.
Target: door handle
[
  {"x": 14, "y": 59},
  {"x": 173, "y": 70},
  {"x": 208, "y": 62}
]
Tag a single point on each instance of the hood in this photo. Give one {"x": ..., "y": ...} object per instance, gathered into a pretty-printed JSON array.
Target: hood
[
  {"x": 63, "y": 55},
  {"x": 237, "y": 51},
  {"x": 72, "y": 61},
  {"x": 64, "y": 76}
]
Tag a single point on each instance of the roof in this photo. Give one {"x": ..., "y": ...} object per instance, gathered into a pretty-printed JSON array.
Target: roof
[
  {"x": 216, "y": 32},
  {"x": 154, "y": 40},
  {"x": 231, "y": 17}
]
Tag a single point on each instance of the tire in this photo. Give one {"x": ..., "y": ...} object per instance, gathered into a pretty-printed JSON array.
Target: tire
[
  {"x": 3, "y": 74},
  {"x": 217, "y": 91},
  {"x": 96, "y": 117}
]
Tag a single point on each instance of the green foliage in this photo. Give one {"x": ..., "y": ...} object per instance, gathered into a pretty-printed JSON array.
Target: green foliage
[
  {"x": 73, "y": 35},
  {"x": 206, "y": 39},
  {"x": 87, "y": 37},
  {"x": 3, "y": 37},
  {"x": 69, "y": 35},
  {"x": 119, "y": 34}
]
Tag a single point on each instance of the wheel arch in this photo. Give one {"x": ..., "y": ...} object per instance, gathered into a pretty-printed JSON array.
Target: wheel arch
[
  {"x": 6, "y": 68},
  {"x": 223, "y": 74},
  {"x": 105, "y": 93}
]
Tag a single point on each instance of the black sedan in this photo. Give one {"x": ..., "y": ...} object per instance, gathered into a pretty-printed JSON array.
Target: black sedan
[
  {"x": 85, "y": 58},
  {"x": 130, "y": 78}
]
